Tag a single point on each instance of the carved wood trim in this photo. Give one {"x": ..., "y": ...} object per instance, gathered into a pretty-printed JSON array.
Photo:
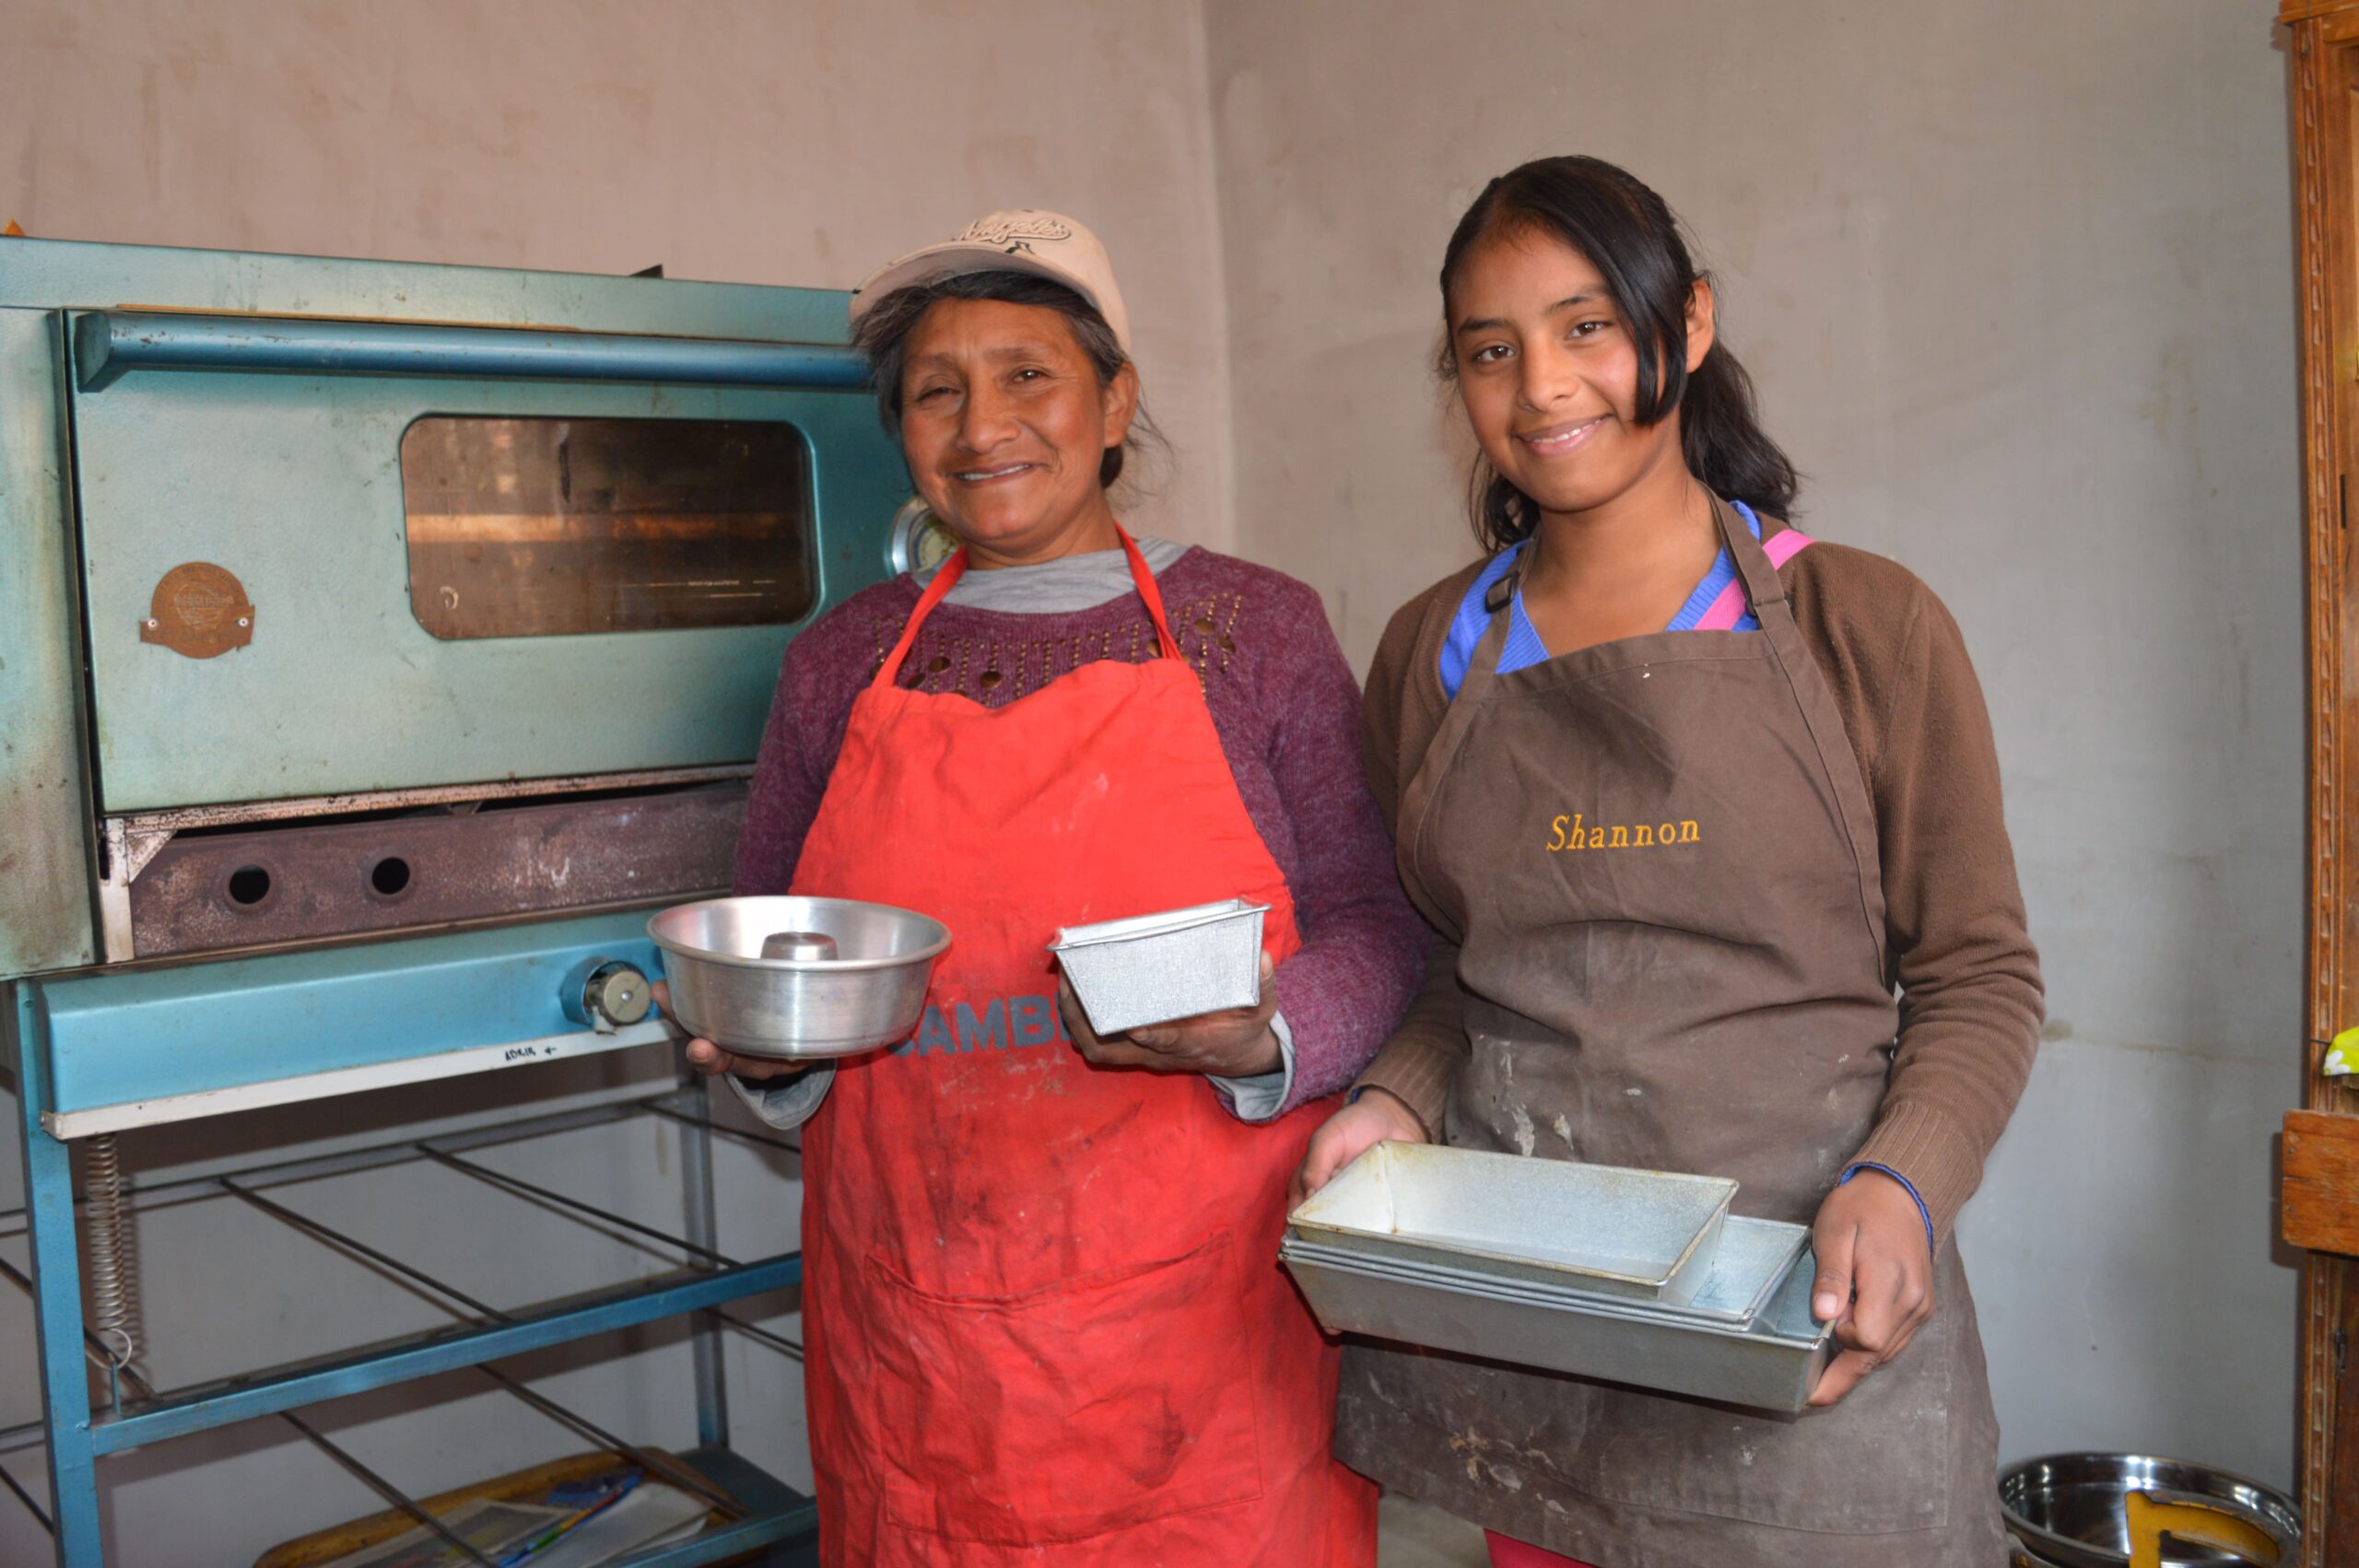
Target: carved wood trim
[
  {"x": 2305, "y": 10},
  {"x": 2320, "y": 75}
]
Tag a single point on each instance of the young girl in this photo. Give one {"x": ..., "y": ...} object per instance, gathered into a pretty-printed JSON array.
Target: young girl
[{"x": 1689, "y": 797}]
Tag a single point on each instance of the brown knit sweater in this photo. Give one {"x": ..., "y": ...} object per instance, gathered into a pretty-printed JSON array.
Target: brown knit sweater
[{"x": 1970, "y": 997}]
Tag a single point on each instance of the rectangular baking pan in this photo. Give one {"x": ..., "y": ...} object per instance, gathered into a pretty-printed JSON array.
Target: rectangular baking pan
[
  {"x": 1153, "y": 968},
  {"x": 1644, "y": 1235},
  {"x": 1751, "y": 1263},
  {"x": 1769, "y": 1363}
]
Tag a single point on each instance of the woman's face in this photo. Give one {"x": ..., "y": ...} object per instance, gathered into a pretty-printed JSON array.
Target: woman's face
[
  {"x": 1549, "y": 372},
  {"x": 1004, "y": 422}
]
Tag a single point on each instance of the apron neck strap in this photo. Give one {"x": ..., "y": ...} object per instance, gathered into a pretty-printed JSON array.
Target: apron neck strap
[
  {"x": 1755, "y": 569},
  {"x": 1144, "y": 581},
  {"x": 1757, "y": 585},
  {"x": 956, "y": 568},
  {"x": 1484, "y": 663}
]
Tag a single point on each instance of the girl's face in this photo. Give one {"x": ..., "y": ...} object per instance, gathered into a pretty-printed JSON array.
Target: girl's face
[
  {"x": 1549, "y": 372},
  {"x": 1004, "y": 422}
]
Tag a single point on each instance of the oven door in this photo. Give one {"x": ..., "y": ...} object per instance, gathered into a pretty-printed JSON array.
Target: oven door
[{"x": 325, "y": 558}]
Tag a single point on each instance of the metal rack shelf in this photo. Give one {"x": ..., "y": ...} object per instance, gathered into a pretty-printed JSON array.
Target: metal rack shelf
[{"x": 137, "y": 1413}]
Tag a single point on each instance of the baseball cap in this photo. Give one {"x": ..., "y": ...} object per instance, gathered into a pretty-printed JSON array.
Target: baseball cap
[{"x": 1026, "y": 239}]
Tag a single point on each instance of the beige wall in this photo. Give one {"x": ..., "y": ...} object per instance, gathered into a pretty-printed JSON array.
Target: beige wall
[
  {"x": 736, "y": 140},
  {"x": 2015, "y": 281}
]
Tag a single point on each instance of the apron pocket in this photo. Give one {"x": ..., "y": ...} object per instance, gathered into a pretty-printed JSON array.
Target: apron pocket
[{"x": 1086, "y": 1406}]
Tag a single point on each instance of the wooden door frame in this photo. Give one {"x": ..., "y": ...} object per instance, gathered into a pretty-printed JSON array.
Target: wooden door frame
[{"x": 2323, "y": 56}]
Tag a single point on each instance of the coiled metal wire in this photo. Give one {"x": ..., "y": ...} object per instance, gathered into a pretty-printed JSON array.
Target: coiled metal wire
[{"x": 115, "y": 1268}]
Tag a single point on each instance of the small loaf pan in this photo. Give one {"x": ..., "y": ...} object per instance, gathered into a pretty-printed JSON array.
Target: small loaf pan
[
  {"x": 1642, "y": 1235},
  {"x": 1153, "y": 968}
]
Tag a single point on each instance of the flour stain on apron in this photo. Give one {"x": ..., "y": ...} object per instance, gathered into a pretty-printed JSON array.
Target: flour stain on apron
[
  {"x": 1659, "y": 862},
  {"x": 1044, "y": 1322}
]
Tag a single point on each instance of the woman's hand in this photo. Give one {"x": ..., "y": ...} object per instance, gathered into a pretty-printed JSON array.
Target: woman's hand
[
  {"x": 1875, "y": 1277},
  {"x": 1236, "y": 1043},
  {"x": 710, "y": 1059},
  {"x": 1377, "y": 1116}
]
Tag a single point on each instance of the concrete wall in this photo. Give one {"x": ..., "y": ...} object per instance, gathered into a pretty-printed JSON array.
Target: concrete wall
[
  {"x": 727, "y": 139},
  {"x": 2015, "y": 281}
]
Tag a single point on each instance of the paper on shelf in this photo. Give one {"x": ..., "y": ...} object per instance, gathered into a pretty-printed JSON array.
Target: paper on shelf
[
  {"x": 492, "y": 1527},
  {"x": 654, "y": 1512}
]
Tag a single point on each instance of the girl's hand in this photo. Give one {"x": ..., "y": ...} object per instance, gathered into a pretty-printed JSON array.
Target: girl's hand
[
  {"x": 1875, "y": 1277},
  {"x": 711, "y": 1061},
  {"x": 1376, "y": 1117},
  {"x": 1238, "y": 1043}
]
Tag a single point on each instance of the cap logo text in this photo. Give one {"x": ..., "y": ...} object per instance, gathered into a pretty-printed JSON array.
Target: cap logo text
[{"x": 1029, "y": 225}]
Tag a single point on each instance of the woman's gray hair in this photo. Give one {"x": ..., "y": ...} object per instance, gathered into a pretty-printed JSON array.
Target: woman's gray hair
[{"x": 884, "y": 336}]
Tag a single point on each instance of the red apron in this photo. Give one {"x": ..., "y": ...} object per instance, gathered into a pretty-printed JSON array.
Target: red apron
[{"x": 1042, "y": 1309}]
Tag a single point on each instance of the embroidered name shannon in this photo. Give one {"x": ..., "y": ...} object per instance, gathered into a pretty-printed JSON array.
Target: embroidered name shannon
[{"x": 1572, "y": 833}]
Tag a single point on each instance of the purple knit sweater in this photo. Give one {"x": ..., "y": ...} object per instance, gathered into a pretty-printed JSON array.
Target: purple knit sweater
[{"x": 1288, "y": 712}]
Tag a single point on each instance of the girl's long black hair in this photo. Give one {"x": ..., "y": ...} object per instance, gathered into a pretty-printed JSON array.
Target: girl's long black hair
[{"x": 1629, "y": 235}]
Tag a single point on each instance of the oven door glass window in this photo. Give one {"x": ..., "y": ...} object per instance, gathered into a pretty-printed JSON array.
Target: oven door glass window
[{"x": 545, "y": 527}]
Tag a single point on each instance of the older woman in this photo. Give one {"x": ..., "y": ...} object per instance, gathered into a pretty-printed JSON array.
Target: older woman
[{"x": 1045, "y": 1321}]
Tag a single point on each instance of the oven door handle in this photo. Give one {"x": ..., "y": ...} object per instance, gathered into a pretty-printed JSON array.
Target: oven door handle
[{"x": 109, "y": 343}]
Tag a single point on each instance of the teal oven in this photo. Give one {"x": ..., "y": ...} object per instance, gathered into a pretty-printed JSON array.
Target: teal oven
[{"x": 378, "y": 645}]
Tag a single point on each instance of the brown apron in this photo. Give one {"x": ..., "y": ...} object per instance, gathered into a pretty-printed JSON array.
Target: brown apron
[{"x": 1659, "y": 862}]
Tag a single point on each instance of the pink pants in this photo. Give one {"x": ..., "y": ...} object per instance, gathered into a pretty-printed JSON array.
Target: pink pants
[{"x": 1506, "y": 1553}]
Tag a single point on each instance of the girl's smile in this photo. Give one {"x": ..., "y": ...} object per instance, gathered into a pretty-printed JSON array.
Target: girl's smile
[{"x": 1555, "y": 441}]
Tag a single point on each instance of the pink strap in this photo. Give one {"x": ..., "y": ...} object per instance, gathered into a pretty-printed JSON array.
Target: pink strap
[
  {"x": 1729, "y": 608},
  {"x": 1507, "y": 1553}
]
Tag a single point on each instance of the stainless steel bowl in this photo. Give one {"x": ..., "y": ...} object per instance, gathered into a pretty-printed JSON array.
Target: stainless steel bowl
[
  {"x": 2067, "y": 1509},
  {"x": 870, "y": 993}
]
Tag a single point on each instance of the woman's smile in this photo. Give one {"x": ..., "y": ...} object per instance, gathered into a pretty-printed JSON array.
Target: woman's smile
[{"x": 995, "y": 475}]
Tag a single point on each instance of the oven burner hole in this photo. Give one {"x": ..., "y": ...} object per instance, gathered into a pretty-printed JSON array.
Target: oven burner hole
[
  {"x": 390, "y": 877},
  {"x": 249, "y": 886}
]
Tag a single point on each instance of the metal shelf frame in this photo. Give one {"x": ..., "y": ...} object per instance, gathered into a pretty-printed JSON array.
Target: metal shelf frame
[{"x": 76, "y": 1433}]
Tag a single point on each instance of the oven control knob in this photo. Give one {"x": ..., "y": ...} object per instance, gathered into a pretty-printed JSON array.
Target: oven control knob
[{"x": 607, "y": 995}]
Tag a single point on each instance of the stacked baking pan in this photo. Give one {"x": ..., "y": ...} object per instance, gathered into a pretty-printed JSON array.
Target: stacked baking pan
[{"x": 1636, "y": 1277}]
